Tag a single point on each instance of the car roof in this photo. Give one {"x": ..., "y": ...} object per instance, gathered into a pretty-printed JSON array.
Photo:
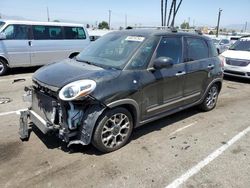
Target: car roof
[
  {"x": 159, "y": 32},
  {"x": 40, "y": 23}
]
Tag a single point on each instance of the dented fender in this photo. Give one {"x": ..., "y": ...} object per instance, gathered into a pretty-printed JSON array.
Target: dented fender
[{"x": 88, "y": 124}]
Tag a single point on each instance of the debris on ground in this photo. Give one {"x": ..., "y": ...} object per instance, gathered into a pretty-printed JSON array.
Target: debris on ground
[
  {"x": 4, "y": 100},
  {"x": 18, "y": 80}
]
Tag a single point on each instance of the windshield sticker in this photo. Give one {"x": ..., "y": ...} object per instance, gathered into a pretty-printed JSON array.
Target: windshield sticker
[{"x": 135, "y": 38}]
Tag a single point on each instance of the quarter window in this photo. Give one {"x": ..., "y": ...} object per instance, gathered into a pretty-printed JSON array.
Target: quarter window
[
  {"x": 17, "y": 32},
  {"x": 170, "y": 47},
  {"x": 196, "y": 49},
  {"x": 74, "y": 33}
]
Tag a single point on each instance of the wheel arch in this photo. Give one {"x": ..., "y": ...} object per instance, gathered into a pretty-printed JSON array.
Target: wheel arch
[
  {"x": 5, "y": 60},
  {"x": 129, "y": 104}
]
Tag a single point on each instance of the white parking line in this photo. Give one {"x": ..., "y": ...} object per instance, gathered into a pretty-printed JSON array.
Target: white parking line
[
  {"x": 12, "y": 112},
  {"x": 180, "y": 129},
  {"x": 194, "y": 170}
]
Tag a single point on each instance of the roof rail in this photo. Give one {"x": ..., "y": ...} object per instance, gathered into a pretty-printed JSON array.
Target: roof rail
[{"x": 172, "y": 29}]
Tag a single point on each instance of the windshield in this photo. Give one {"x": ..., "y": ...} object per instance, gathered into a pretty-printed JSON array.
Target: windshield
[
  {"x": 1, "y": 24},
  {"x": 241, "y": 45},
  {"x": 112, "y": 50},
  {"x": 216, "y": 41}
]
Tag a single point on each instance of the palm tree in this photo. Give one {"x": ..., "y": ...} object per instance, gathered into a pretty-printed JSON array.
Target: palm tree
[{"x": 161, "y": 12}]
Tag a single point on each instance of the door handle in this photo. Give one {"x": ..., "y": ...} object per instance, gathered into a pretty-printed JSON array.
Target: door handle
[
  {"x": 210, "y": 66},
  {"x": 30, "y": 43},
  {"x": 180, "y": 73}
]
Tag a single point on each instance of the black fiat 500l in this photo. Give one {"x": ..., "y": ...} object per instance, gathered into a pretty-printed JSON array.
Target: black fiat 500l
[{"x": 121, "y": 81}]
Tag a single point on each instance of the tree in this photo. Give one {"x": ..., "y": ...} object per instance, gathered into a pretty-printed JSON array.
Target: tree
[
  {"x": 103, "y": 25},
  {"x": 185, "y": 25}
]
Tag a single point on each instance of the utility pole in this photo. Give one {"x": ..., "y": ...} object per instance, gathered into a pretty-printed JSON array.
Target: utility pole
[
  {"x": 218, "y": 23},
  {"x": 109, "y": 19},
  {"x": 48, "y": 13},
  {"x": 246, "y": 27}
]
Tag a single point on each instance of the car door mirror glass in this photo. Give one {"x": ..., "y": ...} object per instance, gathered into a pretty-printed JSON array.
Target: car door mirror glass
[
  {"x": 163, "y": 62},
  {"x": 2, "y": 36}
]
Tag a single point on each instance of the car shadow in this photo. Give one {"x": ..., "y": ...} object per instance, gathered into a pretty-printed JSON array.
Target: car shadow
[
  {"x": 52, "y": 142},
  {"x": 237, "y": 79}
]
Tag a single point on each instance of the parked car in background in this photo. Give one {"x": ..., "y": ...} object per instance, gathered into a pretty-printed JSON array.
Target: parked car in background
[
  {"x": 27, "y": 43},
  {"x": 221, "y": 44},
  {"x": 121, "y": 81},
  {"x": 237, "y": 59},
  {"x": 233, "y": 39}
]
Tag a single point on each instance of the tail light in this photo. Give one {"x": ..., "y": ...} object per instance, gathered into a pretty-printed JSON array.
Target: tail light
[{"x": 222, "y": 61}]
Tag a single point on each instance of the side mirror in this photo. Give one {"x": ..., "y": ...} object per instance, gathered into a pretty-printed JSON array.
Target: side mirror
[
  {"x": 2, "y": 36},
  {"x": 163, "y": 62}
]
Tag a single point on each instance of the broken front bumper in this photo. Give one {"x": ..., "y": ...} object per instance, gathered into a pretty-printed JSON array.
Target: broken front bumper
[{"x": 72, "y": 122}]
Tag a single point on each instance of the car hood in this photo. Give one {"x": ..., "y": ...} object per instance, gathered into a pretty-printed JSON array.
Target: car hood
[
  {"x": 61, "y": 73},
  {"x": 236, "y": 54}
]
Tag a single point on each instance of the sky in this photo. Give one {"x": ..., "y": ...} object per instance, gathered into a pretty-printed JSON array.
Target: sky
[{"x": 140, "y": 12}]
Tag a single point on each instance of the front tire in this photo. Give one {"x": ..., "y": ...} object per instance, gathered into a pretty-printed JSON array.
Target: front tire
[
  {"x": 3, "y": 67},
  {"x": 210, "y": 99},
  {"x": 113, "y": 130}
]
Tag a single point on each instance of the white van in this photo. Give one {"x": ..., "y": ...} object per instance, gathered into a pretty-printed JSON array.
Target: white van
[{"x": 28, "y": 43}]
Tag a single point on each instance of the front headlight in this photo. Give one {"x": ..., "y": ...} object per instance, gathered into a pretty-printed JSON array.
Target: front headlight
[{"x": 77, "y": 89}]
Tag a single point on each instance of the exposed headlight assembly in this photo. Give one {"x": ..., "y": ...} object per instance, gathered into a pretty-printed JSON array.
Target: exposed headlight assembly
[{"x": 77, "y": 89}]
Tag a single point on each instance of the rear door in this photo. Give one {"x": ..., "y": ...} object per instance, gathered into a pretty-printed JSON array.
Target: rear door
[
  {"x": 198, "y": 67},
  {"x": 16, "y": 45}
]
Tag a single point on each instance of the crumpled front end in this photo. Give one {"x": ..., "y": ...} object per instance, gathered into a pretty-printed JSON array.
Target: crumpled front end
[{"x": 72, "y": 121}]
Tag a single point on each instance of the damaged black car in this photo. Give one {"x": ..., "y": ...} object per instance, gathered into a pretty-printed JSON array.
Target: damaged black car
[{"x": 119, "y": 82}]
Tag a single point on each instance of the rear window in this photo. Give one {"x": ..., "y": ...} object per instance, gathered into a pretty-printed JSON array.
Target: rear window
[
  {"x": 41, "y": 32},
  {"x": 74, "y": 33}
]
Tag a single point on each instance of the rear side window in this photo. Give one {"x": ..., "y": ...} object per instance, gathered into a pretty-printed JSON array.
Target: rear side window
[
  {"x": 17, "y": 32},
  {"x": 213, "y": 50},
  {"x": 41, "y": 32},
  {"x": 196, "y": 49},
  {"x": 74, "y": 33},
  {"x": 170, "y": 47}
]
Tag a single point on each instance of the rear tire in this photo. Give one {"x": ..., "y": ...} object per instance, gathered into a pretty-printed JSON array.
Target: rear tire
[
  {"x": 113, "y": 130},
  {"x": 3, "y": 67},
  {"x": 210, "y": 99}
]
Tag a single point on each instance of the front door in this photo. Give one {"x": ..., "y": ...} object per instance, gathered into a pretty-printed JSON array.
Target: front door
[
  {"x": 166, "y": 91},
  {"x": 16, "y": 45}
]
